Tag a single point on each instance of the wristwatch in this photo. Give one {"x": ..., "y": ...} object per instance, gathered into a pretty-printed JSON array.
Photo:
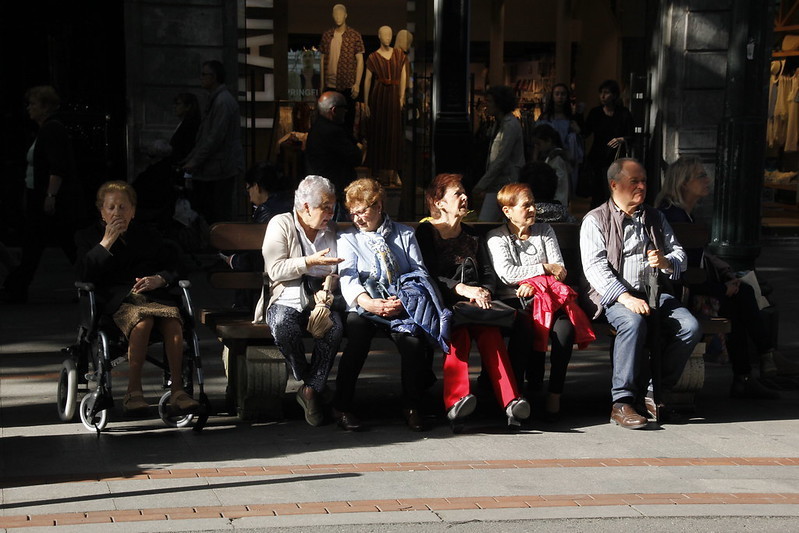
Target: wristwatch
[{"x": 50, "y": 195}]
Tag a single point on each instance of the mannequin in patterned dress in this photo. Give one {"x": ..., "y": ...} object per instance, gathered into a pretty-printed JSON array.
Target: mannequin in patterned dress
[{"x": 384, "y": 94}]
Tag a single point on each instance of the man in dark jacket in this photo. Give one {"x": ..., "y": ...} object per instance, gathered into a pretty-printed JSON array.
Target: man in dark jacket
[
  {"x": 218, "y": 157},
  {"x": 331, "y": 151}
]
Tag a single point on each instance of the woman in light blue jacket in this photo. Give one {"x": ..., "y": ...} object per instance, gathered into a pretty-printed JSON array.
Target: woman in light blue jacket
[{"x": 378, "y": 254}]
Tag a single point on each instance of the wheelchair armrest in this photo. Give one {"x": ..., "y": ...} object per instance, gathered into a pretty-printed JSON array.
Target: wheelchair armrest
[
  {"x": 87, "y": 301},
  {"x": 185, "y": 297}
]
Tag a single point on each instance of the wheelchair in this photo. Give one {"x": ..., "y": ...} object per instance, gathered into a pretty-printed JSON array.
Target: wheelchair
[{"x": 100, "y": 346}]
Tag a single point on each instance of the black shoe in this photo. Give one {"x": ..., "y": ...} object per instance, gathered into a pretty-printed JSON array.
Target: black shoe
[
  {"x": 414, "y": 419},
  {"x": 662, "y": 413},
  {"x": 347, "y": 421},
  {"x": 747, "y": 387}
]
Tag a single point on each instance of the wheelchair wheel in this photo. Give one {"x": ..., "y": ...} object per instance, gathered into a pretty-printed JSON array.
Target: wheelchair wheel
[
  {"x": 67, "y": 395},
  {"x": 92, "y": 423},
  {"x": 169, "y": 420}
]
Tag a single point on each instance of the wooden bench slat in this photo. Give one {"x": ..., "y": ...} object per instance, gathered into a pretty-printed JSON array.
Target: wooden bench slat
[
  {"x": 237, "y": 236},
  {"x": 242, "y": 329}
]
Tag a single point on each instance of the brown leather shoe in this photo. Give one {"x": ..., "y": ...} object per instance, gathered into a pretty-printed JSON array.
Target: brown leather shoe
[
  {"x": 183, "y": 404},
  {"x": 414, "y": 419},
  {"x": 347, "y": 421},
  {"x": 625, "y": 416},
  {"x": 134, "y": 404}
]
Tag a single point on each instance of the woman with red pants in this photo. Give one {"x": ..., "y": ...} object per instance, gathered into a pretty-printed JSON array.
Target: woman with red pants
[{"x": 448, "y": 247}]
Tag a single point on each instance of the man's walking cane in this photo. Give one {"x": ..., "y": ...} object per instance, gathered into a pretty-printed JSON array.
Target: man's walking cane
[{"x": 653, "y": 335}]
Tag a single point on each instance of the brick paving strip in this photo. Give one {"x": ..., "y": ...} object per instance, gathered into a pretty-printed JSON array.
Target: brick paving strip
[
  {"x": 414, "y": 504},
  {"x": 411, "y": 504},
  {"x": 427, "y": 466}
]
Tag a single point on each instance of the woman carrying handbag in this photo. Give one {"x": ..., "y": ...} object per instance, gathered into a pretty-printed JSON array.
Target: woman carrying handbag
[{"x": 452, "y": 252}]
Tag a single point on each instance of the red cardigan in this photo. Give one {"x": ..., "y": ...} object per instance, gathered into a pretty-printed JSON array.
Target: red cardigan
[{"x": 551, "y": 295}]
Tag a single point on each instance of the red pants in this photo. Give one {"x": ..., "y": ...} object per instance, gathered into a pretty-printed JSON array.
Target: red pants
[{"x": 494, "y": 353}]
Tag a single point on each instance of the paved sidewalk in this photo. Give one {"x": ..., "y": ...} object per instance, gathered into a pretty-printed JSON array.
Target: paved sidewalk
[{"x": 734, "y": 465}]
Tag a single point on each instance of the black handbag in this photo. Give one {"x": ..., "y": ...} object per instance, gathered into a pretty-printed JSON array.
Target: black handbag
[
  {"x": 464, "y": 312},
  {"x": 499, "y": 314}
]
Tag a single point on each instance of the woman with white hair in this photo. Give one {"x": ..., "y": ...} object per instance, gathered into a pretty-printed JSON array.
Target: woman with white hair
[{"x": 299, "y": 252}]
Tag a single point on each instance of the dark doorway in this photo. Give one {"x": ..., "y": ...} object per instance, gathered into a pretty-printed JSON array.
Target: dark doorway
[{"x": 78, "y": 48}]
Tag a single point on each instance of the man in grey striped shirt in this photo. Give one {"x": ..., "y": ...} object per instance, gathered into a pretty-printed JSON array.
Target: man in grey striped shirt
[{"x": 625, "y": 246}]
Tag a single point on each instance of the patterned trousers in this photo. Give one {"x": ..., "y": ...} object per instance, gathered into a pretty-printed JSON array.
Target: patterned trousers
[{"x": 288, "y": 327}]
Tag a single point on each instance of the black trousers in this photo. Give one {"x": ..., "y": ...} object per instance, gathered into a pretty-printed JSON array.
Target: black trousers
[
  {"x": 530, "y": 364},
  {"x": 746, "y": 323},
  {"x": 415, "y": 365},
  {"x": 39, "y": 229}
]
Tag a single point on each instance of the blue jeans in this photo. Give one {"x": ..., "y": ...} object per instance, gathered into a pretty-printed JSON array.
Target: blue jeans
[{"x": 679, "y": 333}]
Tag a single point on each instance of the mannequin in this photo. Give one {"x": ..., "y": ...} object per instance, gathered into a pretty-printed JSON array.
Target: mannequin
[
  {"x": 309, "y": 78},
  {"x": 403, "y": 41},
  {"x": 384, "y": 94},
  {"x": 341, "y": 65}
]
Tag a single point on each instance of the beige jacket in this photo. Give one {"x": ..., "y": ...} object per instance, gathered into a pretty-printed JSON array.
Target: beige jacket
[{"x": 284, "y": 261}]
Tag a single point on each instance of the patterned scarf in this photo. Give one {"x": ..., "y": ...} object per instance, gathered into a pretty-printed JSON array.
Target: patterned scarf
[{"x": 384, "y": 265}]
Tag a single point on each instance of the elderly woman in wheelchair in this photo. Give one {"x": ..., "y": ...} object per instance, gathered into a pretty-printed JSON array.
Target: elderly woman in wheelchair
[{"x": 132, "y": 272}]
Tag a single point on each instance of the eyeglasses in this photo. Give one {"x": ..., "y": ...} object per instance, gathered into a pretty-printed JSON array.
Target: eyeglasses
[
  {"x": 362, "y": 212},
  {"x": 204, "y": 74},
  {"x": 326, "y": 207}
]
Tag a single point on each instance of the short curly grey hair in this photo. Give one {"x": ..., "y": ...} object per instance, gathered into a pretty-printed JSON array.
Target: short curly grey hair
[{"x": 312, "y": 190}]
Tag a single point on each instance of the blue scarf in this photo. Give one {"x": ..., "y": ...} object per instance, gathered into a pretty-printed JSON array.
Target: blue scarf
[{"x": 384, "y": 265}]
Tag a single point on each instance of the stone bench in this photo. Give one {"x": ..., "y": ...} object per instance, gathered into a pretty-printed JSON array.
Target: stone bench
[{"x": 256, "y": 369}]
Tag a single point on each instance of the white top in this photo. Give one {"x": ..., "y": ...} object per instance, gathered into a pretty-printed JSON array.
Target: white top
[{"x": 516, "y": 260}]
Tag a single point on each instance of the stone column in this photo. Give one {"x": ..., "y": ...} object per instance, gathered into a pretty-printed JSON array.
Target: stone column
[
  {"x": 451, "y": 134},
  {"x": 496, "y": 59},
  {"x": 742, "y": 135},
  {"x": 563, "y": 42}
]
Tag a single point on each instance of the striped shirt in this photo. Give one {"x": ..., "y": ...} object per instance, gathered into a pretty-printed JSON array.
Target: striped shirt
[{"x": 634, "y": 265}]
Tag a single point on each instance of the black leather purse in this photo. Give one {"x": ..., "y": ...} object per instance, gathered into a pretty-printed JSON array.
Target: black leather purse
[{"x": 464, "y": 312}]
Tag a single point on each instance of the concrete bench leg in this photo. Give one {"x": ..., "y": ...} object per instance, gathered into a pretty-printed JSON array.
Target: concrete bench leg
[
  {"x": 691, "y": 381},
  {"x": 260, "y": 383}
]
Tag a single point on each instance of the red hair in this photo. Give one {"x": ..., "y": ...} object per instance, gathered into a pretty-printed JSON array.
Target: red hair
[{"x": 438, "y": 188}]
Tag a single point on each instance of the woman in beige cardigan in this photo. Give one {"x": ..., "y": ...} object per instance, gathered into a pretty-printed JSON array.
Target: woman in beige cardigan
[{"x": 299, "y": 252}]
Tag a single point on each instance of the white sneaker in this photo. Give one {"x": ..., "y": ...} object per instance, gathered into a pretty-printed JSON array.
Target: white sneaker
[
  {"x": 463, "y": 407},
  {"x": 518, "y": 409}
]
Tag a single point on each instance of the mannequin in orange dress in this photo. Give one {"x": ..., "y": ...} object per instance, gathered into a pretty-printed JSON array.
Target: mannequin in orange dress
[{"x": 384, "y": 94}]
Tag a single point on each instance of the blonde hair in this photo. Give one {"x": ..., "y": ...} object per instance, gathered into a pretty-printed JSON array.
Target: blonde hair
[
  {"x": 676, "y": 176},
  {"x": 115, "y": 186},
  {"x": 364, "y": 191}
]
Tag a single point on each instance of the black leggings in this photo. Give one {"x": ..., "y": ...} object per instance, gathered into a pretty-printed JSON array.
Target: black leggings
[
  {"x": 746, "y": 323},
  {"x": 415, "y": 365},
  {"x": 530, "y": 364}
]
